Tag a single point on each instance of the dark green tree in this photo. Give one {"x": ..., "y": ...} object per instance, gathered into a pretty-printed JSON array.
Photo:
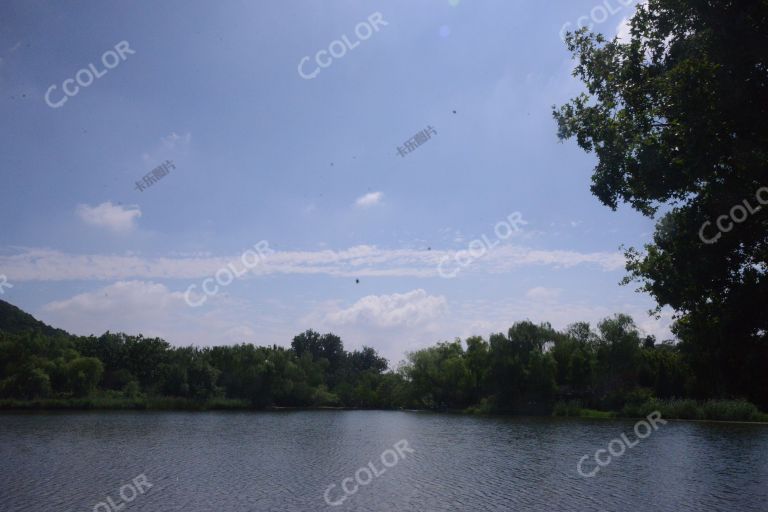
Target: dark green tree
[{"x": 676, "y": 118}]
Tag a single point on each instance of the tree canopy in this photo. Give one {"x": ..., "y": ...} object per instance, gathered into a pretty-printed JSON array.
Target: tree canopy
[{"x": 676, "y": 117}]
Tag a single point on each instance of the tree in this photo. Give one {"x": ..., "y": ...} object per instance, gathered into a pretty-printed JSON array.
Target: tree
[
  {"x": 575, "y": 355},
  {"x": 308, "y": 341},
  {"x": 29, "y": 382},
  {"x": 367, "y": 360},
  {"x": 145, "y": 356},
  {"x": 439, "y": 376},
  {"x": 522, "y": 375},
  {"x": 676, "y": 117},
  {"x": 477, "y": 359},
  {"x": 618, "y": 358},
  {"x": 84, "y": 373}
]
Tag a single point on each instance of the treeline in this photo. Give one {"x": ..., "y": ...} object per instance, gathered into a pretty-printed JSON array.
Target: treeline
[
  {"x": 527, "y": 370},
  {"x": 533, "y": 366},
  {"x": 315, "y": 371}
]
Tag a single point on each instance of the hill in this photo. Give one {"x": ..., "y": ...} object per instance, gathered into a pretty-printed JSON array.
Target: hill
[{"x": 15, "y": 321}]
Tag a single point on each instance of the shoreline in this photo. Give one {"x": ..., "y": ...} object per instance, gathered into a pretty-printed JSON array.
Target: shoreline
[{"x": 182, "y": 405}]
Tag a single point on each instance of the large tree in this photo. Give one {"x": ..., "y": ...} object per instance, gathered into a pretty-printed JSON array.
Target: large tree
[{"x": 676, "y": 116}]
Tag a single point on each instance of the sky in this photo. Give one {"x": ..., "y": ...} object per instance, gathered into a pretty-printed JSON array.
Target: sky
[{"x": 316, "y": 162}]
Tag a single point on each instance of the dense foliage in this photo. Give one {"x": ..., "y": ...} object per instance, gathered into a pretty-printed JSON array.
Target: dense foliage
[
  {"x": 526, "y": 370},
  {"x": 676, "y": 117}
]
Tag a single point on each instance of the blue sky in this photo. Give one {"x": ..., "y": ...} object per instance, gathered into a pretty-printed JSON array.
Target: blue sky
[{"x": 308, "y": 165}]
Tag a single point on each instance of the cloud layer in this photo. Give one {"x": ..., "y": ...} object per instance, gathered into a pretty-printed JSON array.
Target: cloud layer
[
  {"x": 393, "y": 323},
  {"x": 358, "y": 261}
]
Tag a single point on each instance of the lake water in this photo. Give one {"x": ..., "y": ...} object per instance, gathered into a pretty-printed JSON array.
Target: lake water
[{"x": 302, "y": 461}]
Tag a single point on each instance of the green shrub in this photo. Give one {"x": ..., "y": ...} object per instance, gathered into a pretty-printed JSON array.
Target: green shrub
[
  {"x": 570, "y": 408},
  {"x": 324, "y": 398},
  {"x": 730, "y": 410},
  {"x": 573, "y": 409},
  {"x": 132, "y": 390}
]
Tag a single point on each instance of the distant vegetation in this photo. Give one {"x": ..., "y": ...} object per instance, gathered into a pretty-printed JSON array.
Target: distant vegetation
[{"x": 533, "y": 369}]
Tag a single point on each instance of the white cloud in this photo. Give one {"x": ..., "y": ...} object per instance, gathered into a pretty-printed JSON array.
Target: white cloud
[
  {"x": 175, "y": 140},
  {"x": 173, "y": 147},
  {"x": 623, "y": 28},
  {"x": 129, "y": 295},
  {"x": 358, "y": 261},
  {"x": 623, "y": 31},
  {"x": 372, "y": 321},
  {"x": 482, "y": 317},
  {"x": 369, "y": 199},
  {"x": 128, "y": 306},
  {"x": 117, "y": 218},
  {"x": 540, "y": 293},
  {"x": 398, "y": 309},
  {"x": 151, "y": 309},
  {"x": 391, "y": 323},
  {"x": 660, "y": 327}
]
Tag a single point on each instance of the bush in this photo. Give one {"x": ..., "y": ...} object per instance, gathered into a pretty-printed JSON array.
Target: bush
[
  {"x": 730, "y": 410},
  {"x": 486, "y": 406},
  {"x": 324, "y": 398},
  {"x": 680, "y": 409},
  {"x": 675, "y": 409},
  {"x": 132, "y": 390}
]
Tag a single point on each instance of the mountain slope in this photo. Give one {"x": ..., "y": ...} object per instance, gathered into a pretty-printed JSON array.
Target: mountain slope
[{"x": 15, "y": 321}]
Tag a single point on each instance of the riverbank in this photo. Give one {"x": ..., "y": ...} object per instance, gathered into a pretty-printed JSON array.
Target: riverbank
[
  {"x": 146, "y": 404},
  {"x": 711, "y": 410},
  {"x": 109, "y": 403}
]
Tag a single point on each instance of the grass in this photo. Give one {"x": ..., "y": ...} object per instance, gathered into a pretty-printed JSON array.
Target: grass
[
  {"x": 714, "y": 410},
  {"x": 711, "y": 410}
]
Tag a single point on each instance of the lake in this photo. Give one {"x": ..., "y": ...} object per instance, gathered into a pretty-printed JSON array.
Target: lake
[{"x": 373, "y": 461}]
